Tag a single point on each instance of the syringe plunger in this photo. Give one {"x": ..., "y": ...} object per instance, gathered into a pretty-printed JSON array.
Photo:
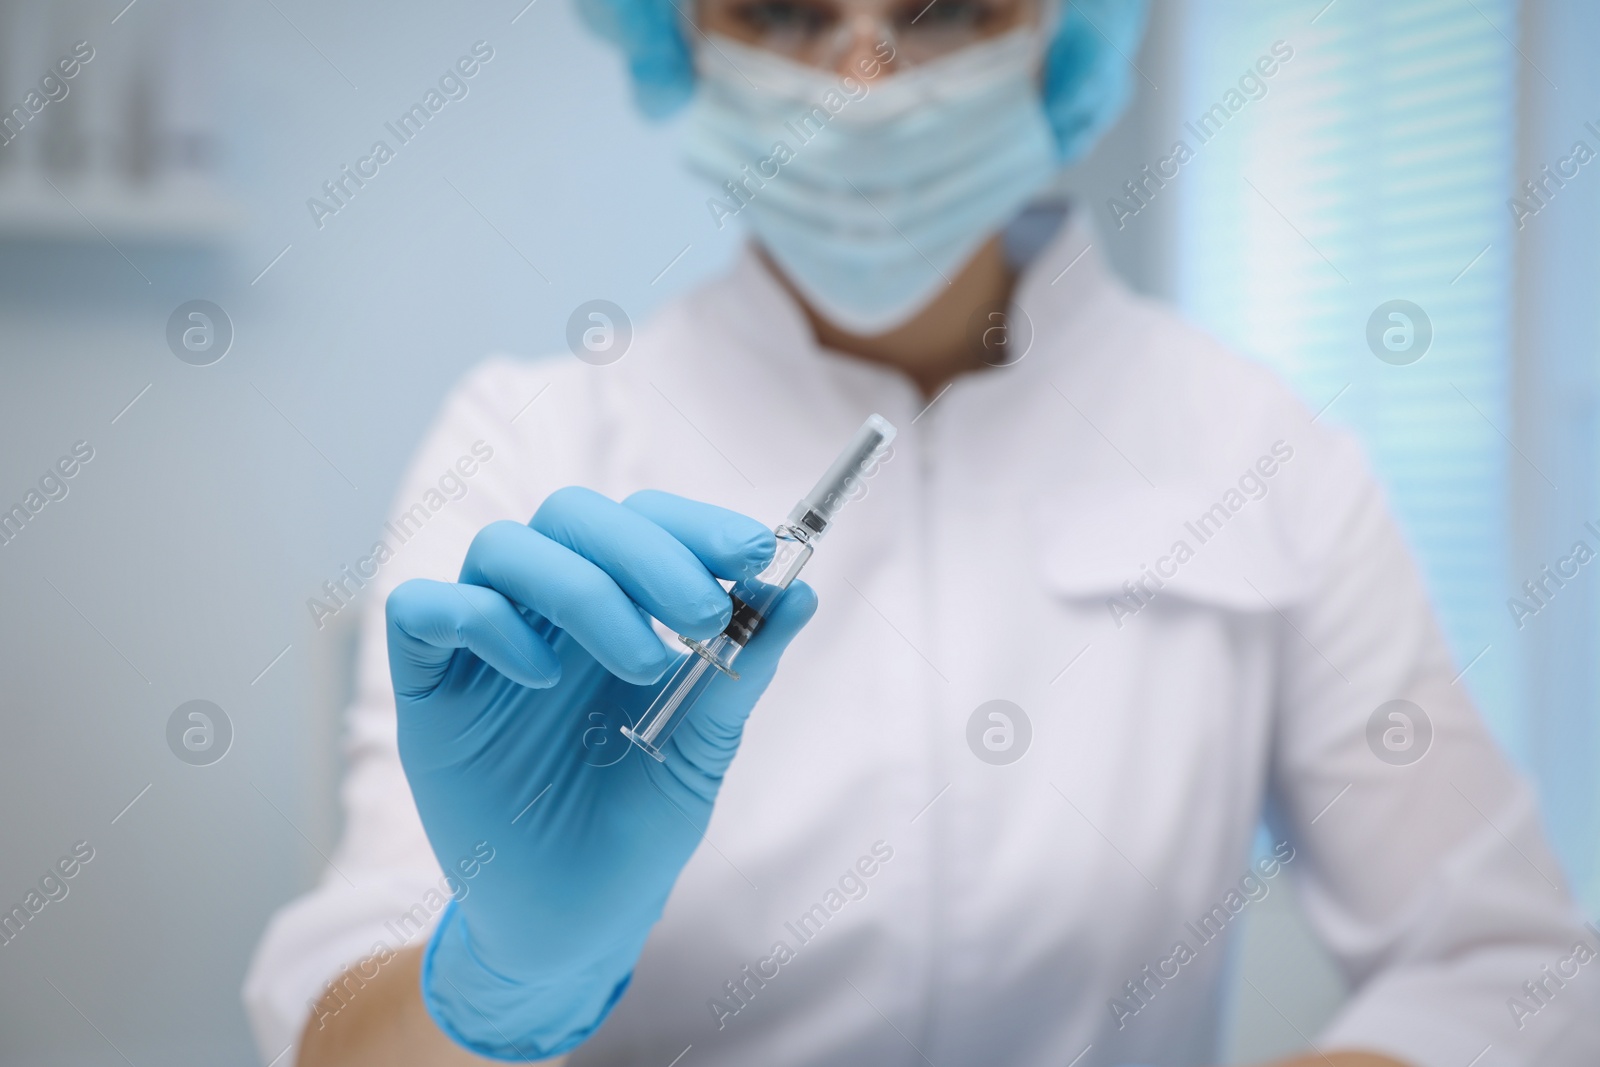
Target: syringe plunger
[{"x": 844, "y": 480}]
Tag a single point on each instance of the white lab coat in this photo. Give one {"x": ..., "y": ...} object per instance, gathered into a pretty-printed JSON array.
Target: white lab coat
[{"x": 990, "y": 560}]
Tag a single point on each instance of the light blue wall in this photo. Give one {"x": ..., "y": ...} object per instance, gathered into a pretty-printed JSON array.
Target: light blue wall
[
  {"x": 1557, "y": 391},
  {"x": 191, "y": 541}
]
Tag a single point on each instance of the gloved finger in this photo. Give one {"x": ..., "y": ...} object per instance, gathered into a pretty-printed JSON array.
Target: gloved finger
[
  {"x": 574, "y": 594},
  {"x": 731, "y": 545},
  {"x": 652, "y": 566},
  {"x": 428, "y": 621},
  {"x": 710, "y": 732}
]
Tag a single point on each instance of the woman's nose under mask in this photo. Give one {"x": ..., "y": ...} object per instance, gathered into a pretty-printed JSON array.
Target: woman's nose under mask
[{"x": 872, "y": 190}]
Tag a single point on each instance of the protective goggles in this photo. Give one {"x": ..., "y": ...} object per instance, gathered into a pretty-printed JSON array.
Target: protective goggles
[{"x": 819, "y": 33}]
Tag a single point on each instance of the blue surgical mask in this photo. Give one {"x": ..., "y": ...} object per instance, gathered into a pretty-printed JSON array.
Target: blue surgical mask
[{"x": 872, "y": 194}]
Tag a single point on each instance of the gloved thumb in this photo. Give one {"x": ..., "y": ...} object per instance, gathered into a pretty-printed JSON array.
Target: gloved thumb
[{"x": 710, "y": 733}]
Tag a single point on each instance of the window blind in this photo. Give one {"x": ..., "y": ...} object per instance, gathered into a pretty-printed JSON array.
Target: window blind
[{"x": 1374, "y": 168}]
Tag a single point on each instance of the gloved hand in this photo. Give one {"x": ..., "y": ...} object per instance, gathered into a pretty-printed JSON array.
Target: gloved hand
[{"x": 509, "y": 687}]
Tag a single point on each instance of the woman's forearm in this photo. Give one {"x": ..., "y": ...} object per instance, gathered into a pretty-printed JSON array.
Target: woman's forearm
[
  {"x": 381, "y": 1023},
  {"x": 384, "y": 1023}
]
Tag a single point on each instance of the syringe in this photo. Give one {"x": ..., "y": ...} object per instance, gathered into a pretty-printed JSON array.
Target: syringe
[{"x": 753, "y": 597}]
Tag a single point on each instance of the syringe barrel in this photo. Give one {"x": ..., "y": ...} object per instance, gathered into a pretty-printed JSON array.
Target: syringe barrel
[
  {"x": 671, "y": 705},
  {"x": 808, "y": 521},
  {"x": 754, "y": 597},
  {"x": 846, "y": 479}
]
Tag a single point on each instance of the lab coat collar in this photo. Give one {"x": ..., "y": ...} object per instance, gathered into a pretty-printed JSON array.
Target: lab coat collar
[
  {"x": 1060, "y": 286},
  {"x": 1081, "y": 330},
  {"x": 1096, "y": 370},
  {"x": 1052, "y": 296}
]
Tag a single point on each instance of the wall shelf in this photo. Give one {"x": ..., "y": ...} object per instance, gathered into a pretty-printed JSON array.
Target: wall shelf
[{"x": 179, "y": 212}]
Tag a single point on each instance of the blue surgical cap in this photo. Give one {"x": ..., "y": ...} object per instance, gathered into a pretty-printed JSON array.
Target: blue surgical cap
[{"x": 1087, "y": 78}]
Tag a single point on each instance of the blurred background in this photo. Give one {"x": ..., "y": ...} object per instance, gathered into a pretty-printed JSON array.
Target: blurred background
[{"x": 240, "y": 458}]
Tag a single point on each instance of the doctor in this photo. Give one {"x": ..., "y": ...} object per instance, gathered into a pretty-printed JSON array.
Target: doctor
[{"x": 1116, "y": 595}]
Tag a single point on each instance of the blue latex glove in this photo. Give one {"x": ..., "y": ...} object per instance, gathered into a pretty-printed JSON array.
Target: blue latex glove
[{"x": 509, "y": 687}]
